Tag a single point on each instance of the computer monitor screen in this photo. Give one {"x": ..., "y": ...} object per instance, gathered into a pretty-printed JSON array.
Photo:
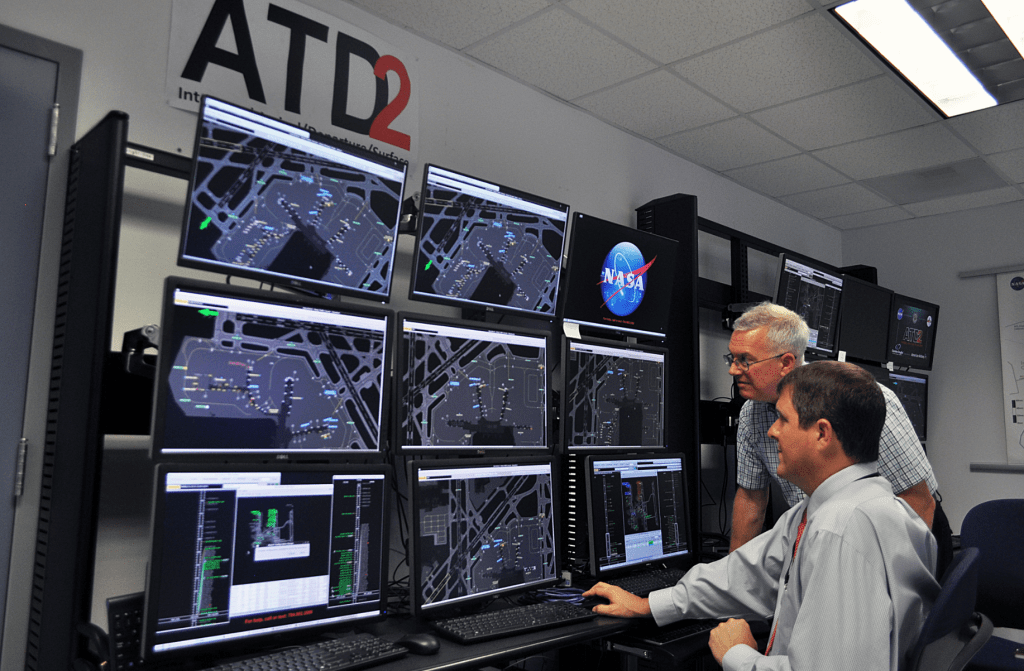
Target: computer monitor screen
[
  {"x": 912, "y": 326},
  {"x": 613, "y": 396},
  {"x": 812, "y": 290},
  {"x": 864, "y": 320},
  {"x": 273, "y": 202},
  {"x": 480, "y": 529},
  {"x": 637, "y": 511},
  {"x": 259, "y": 373},
  {"x": 483, "y": 245},
  {"x": 618, "y": 278},
  {"x": 243, "y": 556},
  {"x": 912, "y": 391},
  {"x": 470, "y": 386}
]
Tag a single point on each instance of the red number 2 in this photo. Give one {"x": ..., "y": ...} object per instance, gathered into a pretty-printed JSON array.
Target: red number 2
[{"x": 380, "y": 128}]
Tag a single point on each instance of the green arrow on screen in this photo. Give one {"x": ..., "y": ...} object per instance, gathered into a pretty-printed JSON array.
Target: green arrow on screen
[
  {"x": 428, "y": 264},
  {"x": 206, "y": 222},
  {"x": 208, "y": 313}
]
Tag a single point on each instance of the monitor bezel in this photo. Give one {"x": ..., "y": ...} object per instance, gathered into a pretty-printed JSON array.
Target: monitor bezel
[
  {"x": 677, "y": 560},
  {"x": 307, "y": 285},
  {"x": 398, "y": 402},
  {"x": 415, "y": 295},
  {"x": 609, "y": 329},
  {"x": 898, "y": 300},
  {"x": 165, "y": 360},
  {"x": 475, "y": 602},
  {"x": 564, "y": 432},
  {"x": 862, "y": 354},
  {"x": 209, "y": 653},
  {"x": 815, "y": 352}
]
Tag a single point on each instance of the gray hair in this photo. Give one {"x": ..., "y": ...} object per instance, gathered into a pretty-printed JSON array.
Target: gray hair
[{"x": 787, "y": 331}]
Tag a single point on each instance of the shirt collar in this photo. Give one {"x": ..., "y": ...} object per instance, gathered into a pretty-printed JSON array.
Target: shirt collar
[{"x": 837, "y": 481}]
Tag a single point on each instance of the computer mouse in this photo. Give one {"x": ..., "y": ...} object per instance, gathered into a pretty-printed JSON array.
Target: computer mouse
[
  {"x": 421, "y": 643},
  {"x": 593, "y": 600}
]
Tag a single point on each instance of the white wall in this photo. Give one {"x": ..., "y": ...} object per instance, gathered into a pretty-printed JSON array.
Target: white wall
[{"x": 922, "y": 258}]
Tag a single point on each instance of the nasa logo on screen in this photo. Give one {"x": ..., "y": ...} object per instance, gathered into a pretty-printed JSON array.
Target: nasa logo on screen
[
  {"x": 899, "y": 314},
  {"x": 623, "y": 282},
  {"x": 1017, "y": 283}
]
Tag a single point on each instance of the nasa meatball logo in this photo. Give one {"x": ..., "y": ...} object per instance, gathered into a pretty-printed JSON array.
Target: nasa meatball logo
[
  {"x": 623, "y": 279},
  {"x": 1017, "y": 283}
]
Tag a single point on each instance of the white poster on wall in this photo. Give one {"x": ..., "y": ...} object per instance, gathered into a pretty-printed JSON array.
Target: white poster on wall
[
  {"x": 1010, "y": 294},
  {"x": 297, "y": 64}
]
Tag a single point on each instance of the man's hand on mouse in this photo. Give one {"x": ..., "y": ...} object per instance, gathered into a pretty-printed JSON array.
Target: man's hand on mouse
[{"x": 620, "y": 602}]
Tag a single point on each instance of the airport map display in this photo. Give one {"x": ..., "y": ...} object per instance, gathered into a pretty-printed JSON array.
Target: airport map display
[{"x": 481, "y": 534}]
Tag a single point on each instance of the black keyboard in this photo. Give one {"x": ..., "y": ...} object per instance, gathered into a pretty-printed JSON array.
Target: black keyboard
[
  {"x": 349, "y": 652},
  {"x": 642, "y": 584},
  {"x": 511, "y": 621}
]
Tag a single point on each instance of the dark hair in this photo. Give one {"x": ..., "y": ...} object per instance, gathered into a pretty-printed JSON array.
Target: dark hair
[{"x": 844, "y": 394}]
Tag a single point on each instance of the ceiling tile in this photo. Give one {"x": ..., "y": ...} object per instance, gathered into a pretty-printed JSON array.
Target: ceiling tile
[
  {"x": 655, "y": 105},
  {"x": 907, "y": 150},
  {"x": 560, "y": 54},
  {"x": 993, "y": 129},
  {"x": 1011, "y": 163},
  {"x": 886, "y": 215},
  {"x": 875, "y": 107},
  {"x": 457, "y": 23},
  {"x": 967, "y": 202},
  {"x": 788, "y": 175},
  {"x": 728, "y": 144},
  {"x": 836, "y": 201},
  {"x": 797, "y": 59},
  {"x": 668, "y": 30}
]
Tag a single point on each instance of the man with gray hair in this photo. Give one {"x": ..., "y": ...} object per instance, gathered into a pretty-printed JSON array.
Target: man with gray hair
[{"x": 767, "y": 343}]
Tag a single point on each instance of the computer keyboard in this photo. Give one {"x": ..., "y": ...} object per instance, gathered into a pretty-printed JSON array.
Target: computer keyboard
[
  {"x": 489, "y": 625},
  {"x": 643, "y": 584},
  {"x": 347, "y": 653}
]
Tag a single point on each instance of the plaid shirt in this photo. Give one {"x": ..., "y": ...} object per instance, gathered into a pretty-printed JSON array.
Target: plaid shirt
[{"x": 901, "y": 458}]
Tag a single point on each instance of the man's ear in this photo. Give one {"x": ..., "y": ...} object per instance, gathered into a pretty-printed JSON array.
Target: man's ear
[
  {"x": 825, "y": 433},
  {"x": 788, "y": 363}
]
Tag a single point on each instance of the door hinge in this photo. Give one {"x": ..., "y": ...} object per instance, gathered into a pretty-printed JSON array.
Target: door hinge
[{"x": 54, "y": 120}]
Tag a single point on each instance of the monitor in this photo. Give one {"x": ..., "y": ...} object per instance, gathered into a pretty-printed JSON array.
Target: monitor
[
  {"x": 480, "y": 529},
  {"x": 470, "y": 387},
  {"x": 486, "y": 246},
  {"x": 618, "y": 279},
  {"x": 637, "y": 512},
  {"x": 244, "y": 372},
  {"x": 244, "y": 556},
  {"x": 911, "y": 389},
  {"x": 912, "y": 324},
  {"x": 864, "y": 320},
  {"x": 274, "y": 202},
  {"x": 613, "y": 396},
  {"x": 813, "y": 290}
]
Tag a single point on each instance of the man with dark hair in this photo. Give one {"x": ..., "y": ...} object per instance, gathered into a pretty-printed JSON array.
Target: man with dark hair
[{"x": 847, "y": 574}]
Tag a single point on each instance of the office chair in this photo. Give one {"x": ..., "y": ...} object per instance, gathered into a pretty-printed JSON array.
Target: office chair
[
  {"x": 996, "y": 528},
  {"x": 953, "y": 632}
]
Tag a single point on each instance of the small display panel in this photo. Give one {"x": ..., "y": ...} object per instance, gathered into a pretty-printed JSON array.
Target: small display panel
[
  {"x": 912, "y": 324},
  {"x": 480, "y": 529},
  {"x": 614, "y": 396},
  {"x": 246, "y": 372},
  {"x": 912, "y": 391},
  {"x": 864, "y": 320},
  {"x": 618, "y": 278},
  {"x": 245, "y": 555},
  {"x": 813, "y": 291},
  {"x": 273, "y": 202},
  {"x": 483, "y": 245},
  {"x": 470, "y": 386},
  {"x": 637, "y": 511}
]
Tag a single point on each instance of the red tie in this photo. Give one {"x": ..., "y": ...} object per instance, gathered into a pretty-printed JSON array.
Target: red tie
[{"x": 799, "y": 533}]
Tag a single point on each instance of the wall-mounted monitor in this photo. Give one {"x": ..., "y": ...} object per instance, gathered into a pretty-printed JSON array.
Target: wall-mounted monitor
[
  {"x": 911, "y": 388},
  {"x": 247, "y": 556},
  {"x": 244, "y": 373},
  {"x": 637, "y": 512},
  {"x": 464, "y": 386},
  {"x": 912, "y": 324},
  {"x": 618, "y": 279},
  {"x": 482, "y": 245},
  {"x": 813, "y": 290},
  {"x": 480, "y": 529},
  {"x": 864, "y": 320},
  {"x": 273, "y": 202},
  {"x": 613, "y": 396}
]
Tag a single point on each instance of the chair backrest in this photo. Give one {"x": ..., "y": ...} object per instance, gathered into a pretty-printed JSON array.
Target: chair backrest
[
  {"x": 996, "y": 528},
  {"x": 952, "y": 632}
]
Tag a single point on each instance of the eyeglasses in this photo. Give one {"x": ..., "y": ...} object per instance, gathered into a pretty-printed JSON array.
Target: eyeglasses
[{"x": 742, "y": 363}]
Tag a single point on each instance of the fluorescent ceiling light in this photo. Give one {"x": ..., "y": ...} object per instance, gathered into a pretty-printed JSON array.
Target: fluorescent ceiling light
[
  {"x": 1009, "y": 14},
  {"x": 903, "y": 38}
]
